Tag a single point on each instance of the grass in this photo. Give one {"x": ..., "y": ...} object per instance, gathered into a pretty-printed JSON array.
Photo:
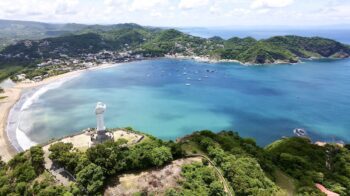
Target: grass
[
  {"x": 285, "y": 182},
  {"x": 191, "y": 147},
  {"x": 7, "y": 71}
]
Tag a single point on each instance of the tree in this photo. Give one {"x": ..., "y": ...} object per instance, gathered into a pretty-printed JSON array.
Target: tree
[
  {"x": 91, "y": 178},
  {"x": 62, "y": 153},
  {"x": 216, "y": 189},
  {"x": 109, "y": 156},
  {"x": 247, "y": 177},
  {"x": 58, "y": 149},
  {"x": 198, "y": 180},
  {"x": 160, "y": 155},
  {"x": 2, "y": 163},
  {"x": 37, "y": 158},
  {"x": 24, "y": 172},
  {"x": 21, "y": 188},
  {"x": 176, "y": 150}
]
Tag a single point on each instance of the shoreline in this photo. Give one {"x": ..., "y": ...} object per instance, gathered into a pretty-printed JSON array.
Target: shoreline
[
  {"x": 212, "y": 60},
  {"x": 14, "y": 94}
]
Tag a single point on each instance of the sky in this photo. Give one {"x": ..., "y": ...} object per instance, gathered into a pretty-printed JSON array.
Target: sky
[{"x": 181, "y": 13}]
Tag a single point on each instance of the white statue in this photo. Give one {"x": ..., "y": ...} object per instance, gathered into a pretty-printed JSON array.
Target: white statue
[{"x": 99, "y": 110}]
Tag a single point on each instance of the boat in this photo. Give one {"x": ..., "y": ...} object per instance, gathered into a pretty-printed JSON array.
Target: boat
[
  {"x": 299, "y": 132},
  {"x": 188, "y": 84}
]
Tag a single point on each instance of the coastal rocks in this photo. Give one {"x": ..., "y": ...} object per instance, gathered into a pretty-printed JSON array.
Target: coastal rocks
[{"x": 340, "y": 55}]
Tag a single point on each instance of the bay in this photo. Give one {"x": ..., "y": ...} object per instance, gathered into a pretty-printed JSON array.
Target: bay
[{"x": 171, "y": 98}]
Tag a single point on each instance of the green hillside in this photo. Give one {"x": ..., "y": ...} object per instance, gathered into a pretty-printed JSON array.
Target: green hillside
[
  {"x": 154, "y": 42},
  {"x": 280, "y": 49},
  {"x": 246, "y": 168}
]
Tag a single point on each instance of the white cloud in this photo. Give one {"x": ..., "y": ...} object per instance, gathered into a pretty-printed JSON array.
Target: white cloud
[
  {"x": 180, "y": 12},
  {"x": 342, "y": 12},
  {"x": 190, "y": 4},
  {"x": 66, "y": 7},
  {"x": 238, "y": 12},
  {"x": 146, "y": 5},
  {"x": 156, "y": 14},
  {"x": 271, "y": 3},
  {"x": 38, "y": 7},
  {"x": 116, "y": 3}
]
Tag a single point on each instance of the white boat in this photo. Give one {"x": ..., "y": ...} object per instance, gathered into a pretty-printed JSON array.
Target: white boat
[
  {"x": 188, "y": 84},
  {"x": 299, "y": 132}
]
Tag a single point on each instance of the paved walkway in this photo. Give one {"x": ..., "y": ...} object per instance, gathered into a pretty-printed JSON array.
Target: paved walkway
[
  {"x": 62, "y": 176},
  {"x": 325, "y": 190}
]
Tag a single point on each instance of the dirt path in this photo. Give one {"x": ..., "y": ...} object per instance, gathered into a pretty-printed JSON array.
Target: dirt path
[{"x": 218, "y": 171}]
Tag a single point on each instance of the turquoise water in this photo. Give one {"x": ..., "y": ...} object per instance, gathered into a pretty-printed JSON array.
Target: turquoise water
[{"x": 264, "y": 102}]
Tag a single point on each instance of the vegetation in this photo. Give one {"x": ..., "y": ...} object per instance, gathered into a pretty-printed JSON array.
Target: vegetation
[
  {"x": 12, "y": 31},
  {"x": 25, "y": 175},
  {"x": 233, "y": 155},
  {"x": 109, "y": 159},
  {"x": 198, "y": 180},
  {"x": 154, "y": 42},
  {"x": 310, "y": 164},
  {"x": 247, "y": 168}
]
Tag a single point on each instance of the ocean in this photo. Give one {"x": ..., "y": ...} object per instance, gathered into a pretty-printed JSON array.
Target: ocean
[{"x": 171, "y": 98}]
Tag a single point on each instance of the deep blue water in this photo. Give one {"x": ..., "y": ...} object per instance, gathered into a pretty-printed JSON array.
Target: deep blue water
[
  {"x": 264, "y": 102},
  {"x": 341, "y": 35}
]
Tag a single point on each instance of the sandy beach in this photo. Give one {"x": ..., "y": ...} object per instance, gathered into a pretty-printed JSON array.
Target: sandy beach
[{"x": 13, "y": 94}]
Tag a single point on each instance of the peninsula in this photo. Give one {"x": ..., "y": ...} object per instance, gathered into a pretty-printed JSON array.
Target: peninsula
[{"x": 89, "y": 45}]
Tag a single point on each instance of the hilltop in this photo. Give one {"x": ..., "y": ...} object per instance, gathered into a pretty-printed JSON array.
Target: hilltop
[
  {"x": 83, "y": 44},
  {"x": 203, "y": 163}
]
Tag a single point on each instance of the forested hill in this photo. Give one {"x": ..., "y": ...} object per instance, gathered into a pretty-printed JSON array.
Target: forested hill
[
  {"x": 290, "y": 166},
  {"x": 159, "y": 42},
  {"x": 12, "y": 31}
]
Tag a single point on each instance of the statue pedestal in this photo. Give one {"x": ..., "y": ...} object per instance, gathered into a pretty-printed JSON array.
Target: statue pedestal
[{"x": 101, "y": 136}]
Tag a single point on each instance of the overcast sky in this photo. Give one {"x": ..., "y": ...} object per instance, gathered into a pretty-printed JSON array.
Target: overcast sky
[{"x": 179, "y": 13}]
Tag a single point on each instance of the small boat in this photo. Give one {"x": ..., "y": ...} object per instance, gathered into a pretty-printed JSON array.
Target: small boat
[
  {"x": 299, "y": 132},
  {"x": 188, "y": 84},
  {"x": 199, "y": 79}
]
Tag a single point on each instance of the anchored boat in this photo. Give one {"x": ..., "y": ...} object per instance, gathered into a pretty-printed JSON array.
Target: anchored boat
[{"x": 299, "y": 132}]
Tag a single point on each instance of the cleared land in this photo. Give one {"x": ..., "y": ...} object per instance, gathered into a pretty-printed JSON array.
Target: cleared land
[{"x": 156, "y": 181}]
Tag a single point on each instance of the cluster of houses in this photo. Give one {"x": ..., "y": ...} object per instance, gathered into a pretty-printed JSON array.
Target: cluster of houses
[{"x": 83, "y": 61}]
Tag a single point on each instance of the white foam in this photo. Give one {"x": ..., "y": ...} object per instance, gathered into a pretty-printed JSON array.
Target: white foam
[
  {"x": 23, "y": 140},
  {"x": 34, "y": 97}
]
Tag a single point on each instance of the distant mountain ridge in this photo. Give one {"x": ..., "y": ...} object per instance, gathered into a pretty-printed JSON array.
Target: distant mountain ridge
[
  {"x": 12, "y": 31},
  {"x": 75, "y": 39}
]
